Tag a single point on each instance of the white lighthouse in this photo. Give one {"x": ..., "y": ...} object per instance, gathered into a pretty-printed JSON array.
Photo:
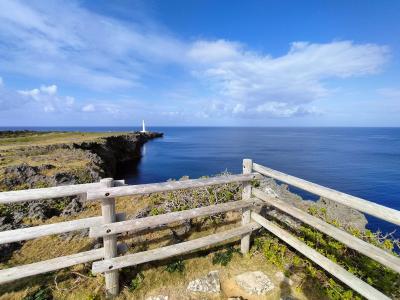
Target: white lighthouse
[{"x": 143, "y": 127}]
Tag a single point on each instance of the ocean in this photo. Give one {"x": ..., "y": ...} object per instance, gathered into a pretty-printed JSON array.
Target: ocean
[{"x": 363, "y": 162}]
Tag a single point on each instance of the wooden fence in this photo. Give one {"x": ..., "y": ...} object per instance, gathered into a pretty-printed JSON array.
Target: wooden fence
[{"x": 110, "y": 224}]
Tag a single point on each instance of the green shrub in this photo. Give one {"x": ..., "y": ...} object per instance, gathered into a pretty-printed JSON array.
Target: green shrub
[
  {"x": 367, "y": 269},
  {"x": 177, "y": 266},
  {"x": 42, "y": 293},
  {"x": 156, "y": 211},
  {"x": 136, "y": 282},
  {"x": 223, "y": 258},
  {"x": 255, "y": 183}
]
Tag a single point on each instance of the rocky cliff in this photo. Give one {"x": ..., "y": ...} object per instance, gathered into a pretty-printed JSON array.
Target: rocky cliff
[
  {"x": 36, "y": 165},
  {"x": 36, "y": 160}
]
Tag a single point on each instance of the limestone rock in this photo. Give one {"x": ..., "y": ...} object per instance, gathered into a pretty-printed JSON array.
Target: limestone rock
[
  {"x": 254, "y": 283},
  {"x": 73, "y": 208},
  {"x": 207, "y": 284},
  {"x": 283, "y": 279},
  {"x": 335, "y": 211}
]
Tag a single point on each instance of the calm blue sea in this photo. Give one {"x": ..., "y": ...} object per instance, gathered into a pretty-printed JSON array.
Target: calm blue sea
[{"x": 364, "y": 162}]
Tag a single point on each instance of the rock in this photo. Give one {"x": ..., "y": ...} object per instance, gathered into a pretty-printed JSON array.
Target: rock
[
  {"x": 5, "y": 224},
  {"x": 37, "y": 211},
  {"x": 283, "y": 279},
  {"x": 22, "y": 174},
  {"x": 141, "y": 214},
  {"x": 335, "y": 211},
  {"x": 18, "y": 216},
  {"x": 255, "y": 283},
  {"x": 345, "y": 215},
  {"x": 64, "y": 178},
  {"x": 159, "y": 297},
  {"x": 6, "y": 250},
  {"x": 207, "y": 284},
  {"x": 180, "y": 231},
  {"x": 74, "y": 207}
]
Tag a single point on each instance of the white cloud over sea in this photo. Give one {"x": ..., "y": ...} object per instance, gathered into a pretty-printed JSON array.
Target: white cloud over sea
[{"x": 101, "y": 54}]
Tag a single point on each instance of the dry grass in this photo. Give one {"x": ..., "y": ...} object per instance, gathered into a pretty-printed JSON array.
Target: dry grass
[
  {"x": 78, "y": 283},
  {"x": 53, "y": 148},
  {"x": 32, "y": 150},
  {"x": 52, "y": 138}
]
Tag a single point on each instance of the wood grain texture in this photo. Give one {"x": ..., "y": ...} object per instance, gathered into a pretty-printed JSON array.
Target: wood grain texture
[
  {"x": 136, "y": 225},
  {"x": 45, "y": 266},
  {"x": 170, "y": 251},
  {"x": 141, "y": 189},
  {"x": 110, "y": 241},
  {"x": 30, "y": 233},
  {"x": 340, "y": 273},
  {"x": 371, "y": 208},
  {"x": 47, "y": 193},
  {"x": 246, "y": 194}
]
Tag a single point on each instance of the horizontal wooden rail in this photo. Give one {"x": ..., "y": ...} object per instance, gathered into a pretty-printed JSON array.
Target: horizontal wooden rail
[
  {"x": 49, "y": 229},
  {"x": 46, "y": 193},
  {"x": 155, "y": 221},
  {"x": 142, "y": 189},
  {"x": 170, "y": 251},
  {"x": 339, "y": 272},
  {"x": 351, "y": 241},
  {"x": 52, "y": 192},
  {"x": 371, "y": 208},
  {"x": 50, "y": 265}
]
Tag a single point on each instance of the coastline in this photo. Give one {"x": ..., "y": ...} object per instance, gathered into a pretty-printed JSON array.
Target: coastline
[
  {"x": 42, "y": 159},
  {"x": 119, "y": 148}
]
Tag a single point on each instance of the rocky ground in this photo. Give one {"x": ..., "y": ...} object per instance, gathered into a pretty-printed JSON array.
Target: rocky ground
[
  {"x": 197, "y": 276},
  {"x": 36, "y": 159},
  {"x": 31, "y": 159},
  {"x": 218, "y": 273}
]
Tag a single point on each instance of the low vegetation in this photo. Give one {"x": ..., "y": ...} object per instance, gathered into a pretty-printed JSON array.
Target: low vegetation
[
  {"x": 292, "y": 263},
  {"x": 267, "y": 254},
  {"x": 30, "y": 159}
]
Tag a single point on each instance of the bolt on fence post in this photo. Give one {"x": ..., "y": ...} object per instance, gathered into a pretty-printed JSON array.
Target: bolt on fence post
[
  {"x": 110, "y": 242},
  {"x": 246, "y": 195}
]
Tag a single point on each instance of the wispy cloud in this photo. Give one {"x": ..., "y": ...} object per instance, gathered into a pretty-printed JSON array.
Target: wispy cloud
[
  {"x": 46, "y": 97},
  {"x": 96, "y": 52},
  {"x": 254, "y": 83},
  {"x": 77, "y": 45}
]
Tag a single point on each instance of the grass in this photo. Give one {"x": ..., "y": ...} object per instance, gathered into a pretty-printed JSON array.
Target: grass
[
  {"x": 48, "y": 148},
  {"x": 166, "y": 277},
  {"x": 32, "y": 149},
  {"x": 50, "y": 138}
]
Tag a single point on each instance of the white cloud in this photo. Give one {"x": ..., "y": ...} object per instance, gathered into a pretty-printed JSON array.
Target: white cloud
[
  {"x": 88, "y": 108},
  {"x": 215, "y": 51},
  {"x": 282, "y": 86},
  {"x": 79, "y": 46},
  {"x": 46, "y": 97},
  {"x": 51, "y": 89}
]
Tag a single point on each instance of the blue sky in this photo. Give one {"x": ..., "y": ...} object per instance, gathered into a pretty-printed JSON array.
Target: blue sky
[{"x": 207, "y": 63}]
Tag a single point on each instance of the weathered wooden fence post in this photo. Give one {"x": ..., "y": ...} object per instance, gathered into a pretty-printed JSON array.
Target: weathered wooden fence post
[
  {"x": 246, "y": 194},
  {"x": 110, "y": 241}
]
